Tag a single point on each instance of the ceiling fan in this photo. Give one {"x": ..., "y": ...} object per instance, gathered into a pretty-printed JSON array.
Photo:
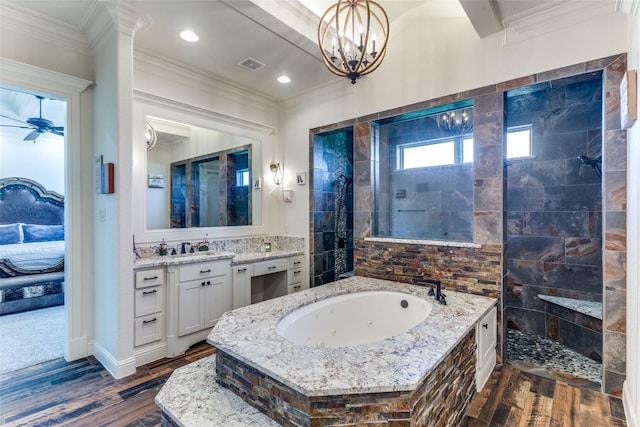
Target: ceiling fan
[{"x": 38, "y": 125}]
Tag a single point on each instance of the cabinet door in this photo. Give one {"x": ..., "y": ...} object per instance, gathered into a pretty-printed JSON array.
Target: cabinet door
[
  {"x": 217, "y": 299},
  {"x": 190, "y": 307},
  {"x": 242, "y": 285}
]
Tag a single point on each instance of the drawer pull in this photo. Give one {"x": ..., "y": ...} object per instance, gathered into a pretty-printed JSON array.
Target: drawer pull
[
  {"x": 485, "y": 325},
  {"x": 272, "y": 267},
  {"x": 149, "y": 292},
  {"x": 242, "y": 270},
  {"x": 205, "y": 271},
  {"x": 297, "y": 262},
  {"x": 297, "y": 287},
  {"x": 295, "y": 273},
  {"x": 208, "y": 282},
  {"x": 202, "y": 284},
  {"x": 151, "y": 278},
  {"x": 144, "y": 322}
]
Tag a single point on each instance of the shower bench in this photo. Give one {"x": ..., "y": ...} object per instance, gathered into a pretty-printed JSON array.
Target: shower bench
[{"x": 589, "y": 308}]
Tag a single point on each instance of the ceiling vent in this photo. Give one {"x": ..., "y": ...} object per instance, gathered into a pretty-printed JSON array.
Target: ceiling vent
[{"x": 251, "y": 64}]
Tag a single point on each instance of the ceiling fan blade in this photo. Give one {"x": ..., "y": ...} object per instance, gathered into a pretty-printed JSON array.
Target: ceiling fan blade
[
  {"x": 58, "y": 130},
  {"x": 19, "y": 127},
  {"x": 11, "y": 118},
  {"x": 33, "y": 135}
]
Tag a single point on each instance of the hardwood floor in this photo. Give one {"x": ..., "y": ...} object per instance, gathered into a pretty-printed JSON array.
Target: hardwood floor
[{"x": 82, "y": 393}]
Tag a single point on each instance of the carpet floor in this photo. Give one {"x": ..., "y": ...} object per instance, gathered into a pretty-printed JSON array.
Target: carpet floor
[{"x": 31, "y": 337}]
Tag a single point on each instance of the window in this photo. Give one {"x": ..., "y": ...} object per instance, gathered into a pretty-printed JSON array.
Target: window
[
  {"x": 519, "y": 142},
  {"x": 242, "y": 178},
  {"x": 423, "y": 154}
]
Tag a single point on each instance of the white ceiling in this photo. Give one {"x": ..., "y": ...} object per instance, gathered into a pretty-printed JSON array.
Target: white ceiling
[{"x": 278, "y": 33}]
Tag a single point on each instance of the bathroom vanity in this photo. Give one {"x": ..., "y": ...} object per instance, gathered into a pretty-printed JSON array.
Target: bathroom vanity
[{"x": 179, "y": 298}]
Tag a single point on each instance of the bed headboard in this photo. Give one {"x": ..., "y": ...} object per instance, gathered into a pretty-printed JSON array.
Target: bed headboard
[{"x": 24, "y": 200}]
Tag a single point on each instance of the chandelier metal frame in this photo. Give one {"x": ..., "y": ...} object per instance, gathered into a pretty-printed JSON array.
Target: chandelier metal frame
[{"x": 347, "y": 35}]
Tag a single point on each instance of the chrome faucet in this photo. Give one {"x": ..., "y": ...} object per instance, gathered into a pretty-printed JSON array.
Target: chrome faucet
[{"x": 437, "y": 293}]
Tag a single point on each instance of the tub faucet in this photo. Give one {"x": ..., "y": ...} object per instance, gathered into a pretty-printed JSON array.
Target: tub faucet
[{"x": 437, "y": 293}]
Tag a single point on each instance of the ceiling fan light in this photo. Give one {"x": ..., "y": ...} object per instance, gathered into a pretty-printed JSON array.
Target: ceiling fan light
[{"x": 189, "y": 36}]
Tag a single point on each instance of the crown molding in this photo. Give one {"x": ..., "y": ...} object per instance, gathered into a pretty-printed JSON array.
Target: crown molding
[
  {"x": 630, "y": 7},
  {"x": 107, "y": 15},
  {"x": 543, "y": 19},
  {"x": 23, "y": 21},
  {"x": 173, "y": 71},
  {"x": 27, "y": 74}
]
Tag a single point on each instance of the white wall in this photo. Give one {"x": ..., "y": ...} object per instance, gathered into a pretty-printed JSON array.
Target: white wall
[
  {"x": 631, "y": 393},
  {"x": 42, "y": 161}
]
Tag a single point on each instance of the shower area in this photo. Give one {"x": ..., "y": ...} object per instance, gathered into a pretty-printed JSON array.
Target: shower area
[
  {"x": 553, "y": 296},
  {"x": 332, "y": 206}
]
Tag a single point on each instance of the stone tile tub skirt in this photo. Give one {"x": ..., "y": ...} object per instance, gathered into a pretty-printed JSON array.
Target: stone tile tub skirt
[
  {"x": 441, "y": 399},
  {"x": 423, "y": 376}
]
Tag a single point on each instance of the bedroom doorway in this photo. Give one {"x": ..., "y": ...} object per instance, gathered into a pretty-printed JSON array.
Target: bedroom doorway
[{"x": 32, "y": 177}]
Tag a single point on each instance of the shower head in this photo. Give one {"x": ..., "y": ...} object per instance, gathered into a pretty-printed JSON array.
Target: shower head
[{"x": 594, "y": 163}]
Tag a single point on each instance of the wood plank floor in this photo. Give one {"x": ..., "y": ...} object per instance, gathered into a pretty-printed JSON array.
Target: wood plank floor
[{"x": 82, "y": 393}]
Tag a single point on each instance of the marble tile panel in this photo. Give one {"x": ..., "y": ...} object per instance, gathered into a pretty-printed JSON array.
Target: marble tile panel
[
  {"x": 613, "y": 383},
  {"x": 582, "y": 340},
  {"x": 363, "y": 199},
  {"x": 573, "y": 198},
  {"x": 525, "y": 199},
  {"x": 579, "y": 173},
  {"x": 557, "y": 224},
  {"x": 561, "y": 72},
  {"x": 489, "y": 103},
  {"x": 488, "y": 227},
  {"x": 586, "y": 91},
  {"x": 528, "y": 174},
  {"x": 489, "y": 133},
  {"x": 615, "y": 231},
  {"x": 515, "y": 223},
  {"x": 615, "y": 309},
  {"x": 617, "y": 61},
  {"x": 615, "y": 150},
  {"x": 615, "y": 270},
  {"x": 362, "y": 224},
  {"x": 594, "y": 143},
  {"x": 615, "y": 191},
  {"x": 615, "y": 351},
  {"x": 525, "y": 321},
  {"x": 516, "y": 83},
  {"x": 536, "y": 249},
  {"x": 573, "y": 277},
  {"x": 583, "y": 251},
  {"x": 488, "y": 194},
  {"x": 514, "y": 295},
  {"x": 566, "y": 145},
  {"x": 530, "y": 298},
  {"x": 524, "y": 271},
  {"x": 487, "y": 162},
  {"x": 536, "y": 101},
  {"x": 460, "y": 201}
]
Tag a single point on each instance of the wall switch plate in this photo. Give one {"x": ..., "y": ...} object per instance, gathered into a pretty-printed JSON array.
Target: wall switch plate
[{"x": 102, "y": 214}]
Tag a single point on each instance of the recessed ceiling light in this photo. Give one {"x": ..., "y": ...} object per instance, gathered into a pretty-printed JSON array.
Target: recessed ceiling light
[
  {"x": 284, "y": 79},
  {"x": 189, "y": 36}
]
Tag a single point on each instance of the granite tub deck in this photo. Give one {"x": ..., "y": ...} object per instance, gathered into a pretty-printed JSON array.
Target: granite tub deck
[{"x": 425, "y": 372}]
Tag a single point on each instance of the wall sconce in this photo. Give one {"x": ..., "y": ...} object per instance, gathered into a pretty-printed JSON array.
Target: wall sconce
[
  {"x": 277, "y": 172},
  {"x": 151, "y": 137}
]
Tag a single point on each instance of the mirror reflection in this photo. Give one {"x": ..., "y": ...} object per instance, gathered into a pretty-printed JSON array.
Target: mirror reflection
[{"x": 201, "y": 178}]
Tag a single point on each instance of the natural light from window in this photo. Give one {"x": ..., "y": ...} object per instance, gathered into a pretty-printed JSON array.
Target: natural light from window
[
  {"x": 519, "y": 142},
  {"x": 425, "y": 155}
]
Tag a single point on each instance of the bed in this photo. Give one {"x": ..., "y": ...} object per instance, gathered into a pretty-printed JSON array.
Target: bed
[{"x": 32, "y": 246}]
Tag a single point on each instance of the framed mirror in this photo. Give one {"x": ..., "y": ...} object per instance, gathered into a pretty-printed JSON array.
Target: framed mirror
[
  {"x": 190, "y": 134},
  {"x": 200, "y": 177}
]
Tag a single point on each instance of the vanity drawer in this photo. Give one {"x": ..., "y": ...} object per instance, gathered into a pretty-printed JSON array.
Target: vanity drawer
[
  {"x": 149, "y": 300},
  {"x": 296, "y": 262},
  {"x": 202, "y": 270},
  {"x": 153, "y": 277},
  {"x": 271, "y": 266},
  {"x": 295, "y": 276},
  {"x": 148, "y": 329}
]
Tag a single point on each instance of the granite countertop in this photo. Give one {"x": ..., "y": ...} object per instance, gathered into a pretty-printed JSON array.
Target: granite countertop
[
  {"x": 590, "y": 308},
  {"x": 235, "y": 258},
  {"x": 395, "y": 364},
  {"x": 192, "y": 398}
]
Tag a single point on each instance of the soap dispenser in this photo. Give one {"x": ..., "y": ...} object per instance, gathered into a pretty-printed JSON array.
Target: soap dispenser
[{"x": 163, "y": 248}]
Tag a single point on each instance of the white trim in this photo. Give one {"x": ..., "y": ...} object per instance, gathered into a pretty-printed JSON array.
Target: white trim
[
  {"x": 150, "y": 353},
  {"x": 630, "y": 415},
  {"x": 542, "y": 20},
  {"x": 117, "y": 368}
]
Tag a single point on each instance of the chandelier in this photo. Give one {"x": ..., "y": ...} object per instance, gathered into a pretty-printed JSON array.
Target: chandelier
[
  {"x": 353, "y": 35},
  {"x": 455, "y": 122}
]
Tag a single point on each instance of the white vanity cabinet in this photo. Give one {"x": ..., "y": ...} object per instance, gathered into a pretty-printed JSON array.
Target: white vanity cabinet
[
  {"x": 149, "y": 306},
  {"x": 200, "y": 293},
  {"x": 486, "y": 337},
  {"x": 267, "y": 279},
  {"x": 295, "y": 275}
]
